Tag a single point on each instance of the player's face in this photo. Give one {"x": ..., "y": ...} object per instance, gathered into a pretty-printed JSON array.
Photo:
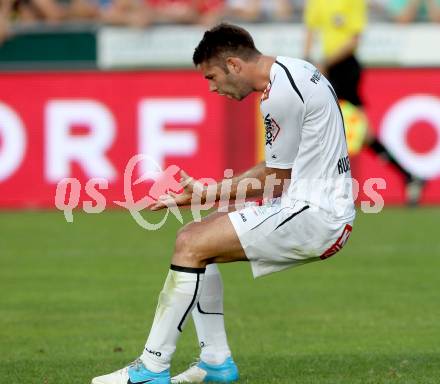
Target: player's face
[{"x": 231, "y": 84}]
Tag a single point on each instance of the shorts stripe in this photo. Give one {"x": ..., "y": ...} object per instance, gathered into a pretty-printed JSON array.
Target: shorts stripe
[
  {"x": 292, "y": 216},
  {"x": 268, "y": 217}
]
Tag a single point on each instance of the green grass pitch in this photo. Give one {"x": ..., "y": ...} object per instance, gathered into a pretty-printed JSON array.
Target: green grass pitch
[{"x": 77, "y": 300}]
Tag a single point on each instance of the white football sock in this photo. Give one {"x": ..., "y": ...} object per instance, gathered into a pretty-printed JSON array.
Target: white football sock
[
  {"x": 209, "y": 320},
  {"x": 179, "y": 295}
]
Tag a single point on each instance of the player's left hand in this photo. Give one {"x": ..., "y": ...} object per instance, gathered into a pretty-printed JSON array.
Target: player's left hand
[{"x": 191, "y": 189}]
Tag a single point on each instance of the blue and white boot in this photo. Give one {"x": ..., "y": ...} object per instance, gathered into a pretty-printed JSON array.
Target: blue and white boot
[
  {"x": 135, "y": 373},
  {"x": 202, "y": 372}
]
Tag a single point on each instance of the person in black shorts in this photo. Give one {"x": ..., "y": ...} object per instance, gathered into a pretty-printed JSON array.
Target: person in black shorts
[{"x": 340, "y": 25}]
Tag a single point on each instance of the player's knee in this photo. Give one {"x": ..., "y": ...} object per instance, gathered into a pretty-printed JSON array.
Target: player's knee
[
  {"x": 185, "y": 249},
  {"x": 183, "y": 238}
]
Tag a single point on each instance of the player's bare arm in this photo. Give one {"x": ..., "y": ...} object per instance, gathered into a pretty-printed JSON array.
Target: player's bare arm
[{"x": 259, "y": 181}]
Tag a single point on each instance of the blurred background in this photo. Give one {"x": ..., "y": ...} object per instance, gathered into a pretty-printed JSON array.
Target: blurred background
[{"x": 85, "y": 85}]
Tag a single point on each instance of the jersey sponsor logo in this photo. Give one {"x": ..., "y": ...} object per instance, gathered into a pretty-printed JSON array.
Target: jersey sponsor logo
[
  {"x": 266, "y": 92},
  {"x": 344, "y": 165},
  {"x": 243, "y": 217},
  {"x": 316, "y": 77},
  {"x": 272, "y": 129}
]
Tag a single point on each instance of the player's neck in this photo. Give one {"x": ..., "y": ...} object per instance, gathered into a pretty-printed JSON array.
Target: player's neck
[{"x": 262, "y": 72}]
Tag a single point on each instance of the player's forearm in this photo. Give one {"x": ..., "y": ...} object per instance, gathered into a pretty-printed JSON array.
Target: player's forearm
[
  {"x": 259, "y": 181},
  {"x": 246, "y": 185}
]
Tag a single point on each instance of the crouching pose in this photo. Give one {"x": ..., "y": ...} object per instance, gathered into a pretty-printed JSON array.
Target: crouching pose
[{"x": 310, "y": 220}]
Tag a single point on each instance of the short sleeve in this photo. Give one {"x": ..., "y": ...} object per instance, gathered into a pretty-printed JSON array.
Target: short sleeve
[{"x": 283, "y": 123}]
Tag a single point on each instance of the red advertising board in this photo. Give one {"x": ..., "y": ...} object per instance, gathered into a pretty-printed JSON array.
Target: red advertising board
[
  {"x": 403, "y": 109},
  {"x": 88, "y": 125}
]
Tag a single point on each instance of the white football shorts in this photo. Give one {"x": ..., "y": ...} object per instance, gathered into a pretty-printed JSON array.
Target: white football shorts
[{"x": 276, "y": 236}]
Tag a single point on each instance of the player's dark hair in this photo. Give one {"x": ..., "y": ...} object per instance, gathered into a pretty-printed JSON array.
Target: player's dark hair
[{"x": 225, "y": 40}]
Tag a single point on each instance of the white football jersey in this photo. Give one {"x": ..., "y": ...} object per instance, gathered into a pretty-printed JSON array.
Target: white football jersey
[{"x": 305, "y": 131}]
